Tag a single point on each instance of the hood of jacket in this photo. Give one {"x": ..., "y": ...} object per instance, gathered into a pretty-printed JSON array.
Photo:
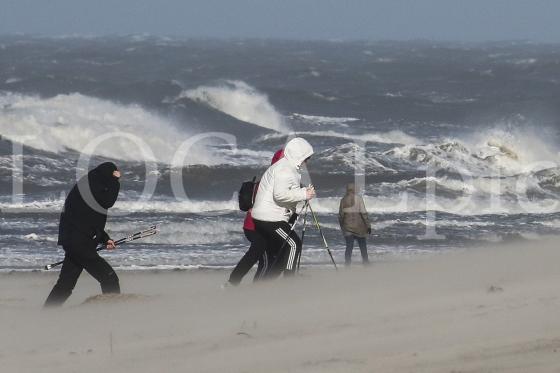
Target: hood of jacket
[
  {"x": 103, "y": 185},
  {"x": 297, "y": 150},
  {"x": 349, "y": 199},
  {"x": 104, "y": 172}
]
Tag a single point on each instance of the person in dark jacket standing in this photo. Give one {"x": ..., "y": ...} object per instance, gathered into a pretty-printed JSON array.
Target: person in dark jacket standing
[
  {"x": 257, "y": 250},
  {"x": 82, "y": 228},
  {"x": 354, "y": 223}
]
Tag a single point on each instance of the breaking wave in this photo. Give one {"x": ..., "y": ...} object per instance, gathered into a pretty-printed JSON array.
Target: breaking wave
[
  {"x": 80, "y": 123},
  {"x": 241, "y": 101},
  {"x": 493, "y": 153}
]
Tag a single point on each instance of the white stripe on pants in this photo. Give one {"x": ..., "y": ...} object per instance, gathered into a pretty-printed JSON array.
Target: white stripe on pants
[{"x": 293, "y": 248}]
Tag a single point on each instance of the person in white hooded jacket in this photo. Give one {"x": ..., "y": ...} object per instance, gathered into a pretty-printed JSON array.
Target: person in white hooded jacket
[{"x": 276, "y": 201}]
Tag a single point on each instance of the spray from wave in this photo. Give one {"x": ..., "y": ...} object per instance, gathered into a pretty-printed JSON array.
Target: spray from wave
[
  {"x": 76, "y": 122},
  {"x": 496, "y": 152},
  {"x": 241, "y": 101},
  {"x": 515, "y": 150}
]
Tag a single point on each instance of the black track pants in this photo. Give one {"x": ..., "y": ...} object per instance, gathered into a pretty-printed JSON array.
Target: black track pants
[
  {"x": 256, "y": 252},
  {"x": 283, "y": 244},
  {"x": 76, "y": 260}
]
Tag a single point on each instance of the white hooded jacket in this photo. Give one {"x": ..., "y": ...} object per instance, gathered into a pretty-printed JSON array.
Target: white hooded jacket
[{"x": 279, "y": 189}]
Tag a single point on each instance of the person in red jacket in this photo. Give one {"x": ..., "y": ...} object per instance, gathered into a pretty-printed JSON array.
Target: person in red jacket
[{"x": 257, "y": 250}]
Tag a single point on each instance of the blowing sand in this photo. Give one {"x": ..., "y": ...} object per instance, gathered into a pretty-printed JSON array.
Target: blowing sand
[{"x": 485, "y": 310}]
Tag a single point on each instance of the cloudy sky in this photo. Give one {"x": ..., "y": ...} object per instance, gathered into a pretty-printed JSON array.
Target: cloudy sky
[{"x": 461, "y": 20}]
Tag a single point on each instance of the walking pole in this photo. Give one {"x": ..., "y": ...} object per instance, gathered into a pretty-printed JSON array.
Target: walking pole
[
  {"x": 132, "y": 237},
  {"x": 302, "y": 236},
  {"x": 322, "y": 235}
]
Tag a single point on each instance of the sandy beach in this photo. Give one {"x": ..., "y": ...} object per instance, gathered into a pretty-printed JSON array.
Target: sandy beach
[{"x": 483, "y": 310}]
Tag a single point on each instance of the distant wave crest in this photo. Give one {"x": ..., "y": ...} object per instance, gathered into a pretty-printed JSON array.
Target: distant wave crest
[{"x": 241, "y": 101}]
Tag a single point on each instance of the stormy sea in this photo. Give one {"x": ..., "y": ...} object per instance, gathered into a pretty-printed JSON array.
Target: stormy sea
[{"x": 454, "y": 145}]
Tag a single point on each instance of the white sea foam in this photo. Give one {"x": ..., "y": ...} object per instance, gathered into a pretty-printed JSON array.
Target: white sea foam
[
  {"x": 382, "y": 224},
  {"x": 244, "y": 157},
  {"x": 322, "y": 120},
  {"x": 177, "y": 206},
  {"x": 98, "y": 63},
  {"x": 347, "y": 154},
  {"x": 523, "y": 61},
  {"x": 447, "y": 184},
  {"x": 43, "y": 206},
  {"x": 46, "y": 181},
  {"x": 241, "y": 101},
  {"x": 551, "y": 223},
  {"x": 13, "y": 80},
  {"x": 128, "y": 206},
  {"x": 324, "y": 97},
  {"x": 391, "y": 137},
  {"x": 188, "y": 232},
  {"x": 40, "y": 238},
  {"x": 464, "y": 205},
  {"x": 467, "y": 200}
]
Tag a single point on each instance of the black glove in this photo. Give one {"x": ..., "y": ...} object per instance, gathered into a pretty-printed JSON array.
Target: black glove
[
  {"x": 292, "y": 218},
  {"x": 369, "y": 231}
]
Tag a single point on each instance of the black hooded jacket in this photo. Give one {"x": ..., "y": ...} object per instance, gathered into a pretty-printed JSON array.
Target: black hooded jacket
[{"x": 85, "y": 209}]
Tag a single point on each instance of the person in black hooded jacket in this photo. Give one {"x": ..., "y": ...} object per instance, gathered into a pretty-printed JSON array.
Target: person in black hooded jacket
[{"x": 82, "y": 229}]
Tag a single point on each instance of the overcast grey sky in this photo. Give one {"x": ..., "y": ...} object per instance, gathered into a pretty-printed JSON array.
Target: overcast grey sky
[{"x": 467, "y": 20}]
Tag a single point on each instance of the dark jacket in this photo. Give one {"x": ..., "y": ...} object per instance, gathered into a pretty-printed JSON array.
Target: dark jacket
[
  {"x": 352, "y": 214},
  {"x": 83, "y": 218}
]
